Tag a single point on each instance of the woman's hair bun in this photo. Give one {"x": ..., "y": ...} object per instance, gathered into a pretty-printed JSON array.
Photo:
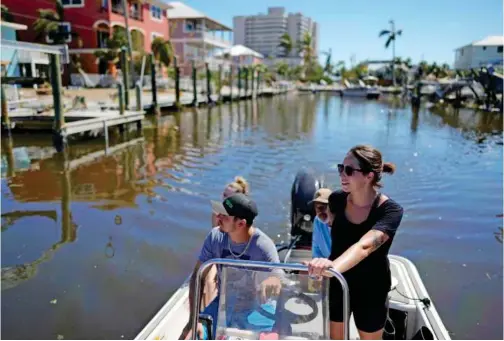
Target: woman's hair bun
[{"x": 388, "y": 167}]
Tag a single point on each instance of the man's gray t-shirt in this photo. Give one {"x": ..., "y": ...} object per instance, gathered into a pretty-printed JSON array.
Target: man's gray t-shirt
[
  {"x": 241, "y": 286},
  {"x": 217, "y": 245}
]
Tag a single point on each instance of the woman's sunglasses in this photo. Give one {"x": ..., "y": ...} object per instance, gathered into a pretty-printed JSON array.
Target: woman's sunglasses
[{"x": 349, "y": 170}]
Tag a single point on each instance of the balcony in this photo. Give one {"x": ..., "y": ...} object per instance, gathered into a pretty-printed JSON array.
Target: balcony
[
  {"x": 135, "y": 9},
  {"x": 211, "y": 38}
]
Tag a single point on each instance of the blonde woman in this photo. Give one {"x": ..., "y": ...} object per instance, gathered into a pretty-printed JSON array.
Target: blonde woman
[{"x": 239, "y": 185}]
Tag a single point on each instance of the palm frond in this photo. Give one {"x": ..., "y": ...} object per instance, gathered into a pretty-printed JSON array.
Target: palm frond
[
  {"x": 6, "y": 15},
  {"x": 48, "y": 14},
  {"x": 60, "y": 10},
  {"x": 384, "y": 32},
  {"x": 389, "y": 40}
]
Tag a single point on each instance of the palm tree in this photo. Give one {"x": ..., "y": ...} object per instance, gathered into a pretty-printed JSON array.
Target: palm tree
[
  {"x": 391, "y": 34},
  {"x": 329, "y": 67},
  {"x": 286, "y": 44},
  {"x": 49, "y": 25},
  {"x": 305, "y": 46},
  {"x": 163, "y": 51},
  {"x": 111, "y": 54},
  {"x": 6, "y": 15},
  {"x": 282, "y": 69}
]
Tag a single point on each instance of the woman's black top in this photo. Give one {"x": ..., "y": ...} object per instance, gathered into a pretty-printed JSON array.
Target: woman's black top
[{"x": 374, "y": 269}]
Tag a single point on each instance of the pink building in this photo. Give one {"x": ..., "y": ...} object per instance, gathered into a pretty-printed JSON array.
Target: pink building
[
  {"x": 94, "y": 21},
  {"x": 196, "y": 37}
]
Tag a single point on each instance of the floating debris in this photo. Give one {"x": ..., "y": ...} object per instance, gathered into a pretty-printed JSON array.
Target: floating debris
[
  {"x": 60, "y": 337},
  {"x": 118, "y": 220},
  {"x": 54, "y": 301},
  {"x": 415, "y": 154},
  {"x": 464, "y": 265},
  {"x": 411, "y": 170},
  {"x": 488, "y": 276}
]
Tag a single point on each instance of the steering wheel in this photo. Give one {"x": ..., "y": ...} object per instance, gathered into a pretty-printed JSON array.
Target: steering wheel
[{"x": 287, "y": 315}]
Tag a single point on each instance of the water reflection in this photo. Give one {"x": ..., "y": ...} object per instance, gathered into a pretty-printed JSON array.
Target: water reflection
[
  {"x": 16, "y": 274},
  {"x": 131, "y": 219}
]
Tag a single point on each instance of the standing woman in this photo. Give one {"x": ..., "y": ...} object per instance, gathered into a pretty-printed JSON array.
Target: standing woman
[{"x": 364, "y": 222}]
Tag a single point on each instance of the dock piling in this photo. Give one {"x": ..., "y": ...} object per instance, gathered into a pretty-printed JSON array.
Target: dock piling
[
  {"x": 246, "y": 71},
  {"x": 258, "y": 82},
  {"x": 177, "y": 83},
  {"x": 121, "y": 98},
  {"x": 138, "y": 92},
  {"x": 195, "y": 85},
  {"x": 239, "y": 82},
  {"x": 219, "y": 85},
  {"x": 59, "y": 119},
  {"x": 208, "y": 81},
  {"x": 5, "y": 112},
  {"x": 125, "y": 73},
  {"x": 154, "y": 105},
  {"x": 105, "y": 132},
  {"x": 231, "y": 69},
  {"x": 252, "y": 81}
]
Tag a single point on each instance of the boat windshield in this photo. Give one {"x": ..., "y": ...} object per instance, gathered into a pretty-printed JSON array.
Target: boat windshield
[{"x": 251, "y": 310}]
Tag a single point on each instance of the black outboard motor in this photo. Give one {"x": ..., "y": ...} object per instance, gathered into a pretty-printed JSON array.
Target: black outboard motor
[{"x": 302, "y": 211}]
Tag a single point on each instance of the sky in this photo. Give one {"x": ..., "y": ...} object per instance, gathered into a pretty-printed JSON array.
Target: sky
[{"x": 432, "y": 29}]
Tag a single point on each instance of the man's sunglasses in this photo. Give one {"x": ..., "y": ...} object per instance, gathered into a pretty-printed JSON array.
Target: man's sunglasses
[{"x": 349, "y": 170}]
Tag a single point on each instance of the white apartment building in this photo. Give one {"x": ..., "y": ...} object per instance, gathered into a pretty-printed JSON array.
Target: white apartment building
[
  {"x": 480, "y": 53},
  {"x": 262, "y": 33}
]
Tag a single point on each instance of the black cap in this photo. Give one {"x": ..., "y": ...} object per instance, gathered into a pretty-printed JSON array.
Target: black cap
[{"x": 238, "y": 205}]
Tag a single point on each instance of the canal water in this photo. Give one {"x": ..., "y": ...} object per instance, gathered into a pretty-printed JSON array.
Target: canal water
[{"x": 93, "y": 245}]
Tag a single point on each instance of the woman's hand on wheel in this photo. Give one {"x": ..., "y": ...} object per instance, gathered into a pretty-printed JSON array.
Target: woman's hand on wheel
[{"x": 317, "y": 266}]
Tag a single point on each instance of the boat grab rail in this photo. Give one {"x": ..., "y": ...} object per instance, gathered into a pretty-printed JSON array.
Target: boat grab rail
[{"x": 271, "y": 266}]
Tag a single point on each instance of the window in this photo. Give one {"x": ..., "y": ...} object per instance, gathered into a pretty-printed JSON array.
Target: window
[
  {"x": 156, "y": 12},
  {"x": 102, "y": 37},
  {"x": 73, "y": 3},
  {"x": 65, "y": 27},
  {"x": 192, "y": 25},
  {"x": 499, "y": 49}
]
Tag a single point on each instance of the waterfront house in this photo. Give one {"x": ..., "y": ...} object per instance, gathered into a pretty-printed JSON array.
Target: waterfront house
[
  {"x": 10, "y": 57},
  {"x": 196, "y": 37},
  {"x": 480, "y": 53},
  {"x": 92, "y": 22},
  {"x": 241, "y": 55}
]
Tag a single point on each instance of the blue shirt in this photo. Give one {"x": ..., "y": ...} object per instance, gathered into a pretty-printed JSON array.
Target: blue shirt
[{"x": 321, "y": 239}]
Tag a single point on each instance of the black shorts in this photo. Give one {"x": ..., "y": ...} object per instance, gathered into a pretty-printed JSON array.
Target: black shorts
[{"x": 368, "y": 303}]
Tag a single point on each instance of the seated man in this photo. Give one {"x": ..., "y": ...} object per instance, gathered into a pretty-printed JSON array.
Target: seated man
[
  {"x": 235, "y": 238},
  {"x": 321, "y": 238}
]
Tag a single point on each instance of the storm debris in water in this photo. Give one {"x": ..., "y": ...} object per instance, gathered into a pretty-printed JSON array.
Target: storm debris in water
[
  {"x": 54, "y": 301},
  {"x": 60, "y": 337}
]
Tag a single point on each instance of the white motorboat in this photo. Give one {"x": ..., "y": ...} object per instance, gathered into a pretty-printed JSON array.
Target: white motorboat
[
  {"x": 302, "y": 313},
  {"x": 362, "y": 90}
]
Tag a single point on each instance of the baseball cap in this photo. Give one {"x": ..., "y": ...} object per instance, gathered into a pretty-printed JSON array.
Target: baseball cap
[
  {"x": 237, "y": 205},
  {"x": 322, "y": 196}
]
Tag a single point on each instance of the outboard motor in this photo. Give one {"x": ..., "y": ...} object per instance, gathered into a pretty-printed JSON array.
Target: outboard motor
[{"x": 302, "y": 211}]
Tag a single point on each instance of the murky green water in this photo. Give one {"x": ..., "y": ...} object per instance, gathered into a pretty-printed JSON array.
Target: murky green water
[{"x": 93, "y": 245}]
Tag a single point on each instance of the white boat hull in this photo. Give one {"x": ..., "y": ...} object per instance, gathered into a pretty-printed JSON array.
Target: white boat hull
[{"x": 170, "y": 321}]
